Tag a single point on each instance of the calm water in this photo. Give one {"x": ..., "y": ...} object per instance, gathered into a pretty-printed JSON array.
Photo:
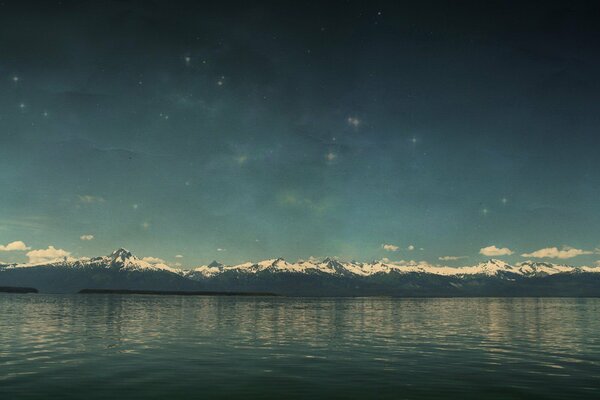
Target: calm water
[{"x": 94, "y": 346}]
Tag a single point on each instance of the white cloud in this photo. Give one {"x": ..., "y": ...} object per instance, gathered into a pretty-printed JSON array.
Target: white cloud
[
  {"x": 88, "y": 199},
  {"x": 491, "y": 251},
  {"x": 554, "y": 252},
  {"x": 14, "y": 246},
  {"x": 452, "y": 258},
  {"x": 220, "y": 249},
  {"x": 411, "y": 247},
  {"x": 47, "y": 255},
  {"x": 86, "y": 237},
  {"x": 178, "y": 256},
  {"x": 154, "y": 260},
  {"x": 389, "y": 247}
]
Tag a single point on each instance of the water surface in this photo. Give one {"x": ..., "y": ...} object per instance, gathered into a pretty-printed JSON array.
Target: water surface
[{"x": 134, "y": 346}]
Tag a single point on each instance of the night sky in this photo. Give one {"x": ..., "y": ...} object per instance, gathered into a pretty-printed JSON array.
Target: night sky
[{"x": 238, "y": 131}]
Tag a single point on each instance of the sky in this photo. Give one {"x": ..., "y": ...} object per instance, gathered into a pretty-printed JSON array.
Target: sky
[{"x": 240, "y": 131}]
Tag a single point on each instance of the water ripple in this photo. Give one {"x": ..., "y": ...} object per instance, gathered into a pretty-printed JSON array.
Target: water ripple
[{"x": 70, "y": 346}]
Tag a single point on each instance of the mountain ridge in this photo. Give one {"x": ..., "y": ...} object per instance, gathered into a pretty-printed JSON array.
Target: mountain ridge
[{"x": 121, "y": 270}]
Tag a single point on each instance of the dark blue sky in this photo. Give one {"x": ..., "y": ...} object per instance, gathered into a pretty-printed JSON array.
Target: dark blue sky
[{"x": 248, "y": 131}]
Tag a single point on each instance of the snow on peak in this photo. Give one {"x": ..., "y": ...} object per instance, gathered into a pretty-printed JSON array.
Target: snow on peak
[{"x": 121, "y": 254}]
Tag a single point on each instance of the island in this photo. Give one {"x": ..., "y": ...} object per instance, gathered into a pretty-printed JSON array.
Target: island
[{"x": 13, "y": 289}]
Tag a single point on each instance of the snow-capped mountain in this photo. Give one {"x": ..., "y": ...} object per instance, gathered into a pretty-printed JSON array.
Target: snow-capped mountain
[
  {"x": 330, "y": 266},
  {"x": 119, "y": 270},
  {"x": 120, "y": 259},
  {"x": 327, "y": 277}
]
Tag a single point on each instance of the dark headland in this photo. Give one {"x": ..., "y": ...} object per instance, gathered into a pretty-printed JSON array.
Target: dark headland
[
  {"x": 173, "y": 292},
  {"x": 12, "y": 289}
]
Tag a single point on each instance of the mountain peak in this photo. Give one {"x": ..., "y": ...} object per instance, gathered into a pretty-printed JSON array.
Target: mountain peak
[
  {"x": 215, "y": 264},
  {"x": 121, "y": 254},
  {"x": 497, "y": 263}
]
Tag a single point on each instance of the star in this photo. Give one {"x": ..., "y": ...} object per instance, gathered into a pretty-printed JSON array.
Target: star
[
  {"x": 22, "y": 106},
  {"x": 485, "y": 211},
  {"x": 135, "y": 206},
  {"x": 504, "y": 200},
  {"x": 355, "y": 122},
  {"x": 330, "y": 156},
  {"x": 145, "y": 225},
  {"x": 15, "y": 79},
  {"x": 187, "y": 60},
  {"x": 414, "y": 140},
  {"x": 45, "y": 113}
]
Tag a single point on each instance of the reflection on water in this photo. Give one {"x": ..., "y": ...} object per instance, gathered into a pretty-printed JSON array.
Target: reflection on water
[{"x": 94, "y": 346}]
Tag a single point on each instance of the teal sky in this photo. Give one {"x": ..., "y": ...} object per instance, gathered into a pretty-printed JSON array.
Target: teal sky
[{"x": 242, "y": 132}]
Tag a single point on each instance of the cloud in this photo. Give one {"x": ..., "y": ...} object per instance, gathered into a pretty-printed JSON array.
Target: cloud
[
  {"x": 554, "y": 252},
  {"x": 88, "y": 199},
  {"x": 299, "y": 201},
  {"x": 178, "y": 256},
  {"x": 411, "y": 247},
  {"x": 220, "y": 249},
  {"x": 154, "y": 260},
  {"x": 47, "y": 255},
  {"x": 495, "y": 251},
  {"x": 14, "y": 246},
  {"x": 451, "y": 258},
  {"x": 86, "y": 237},
  {"x": 389, "y": 247}
]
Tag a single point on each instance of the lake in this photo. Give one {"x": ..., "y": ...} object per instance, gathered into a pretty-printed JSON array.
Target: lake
[{"x": 170, "y": 347}]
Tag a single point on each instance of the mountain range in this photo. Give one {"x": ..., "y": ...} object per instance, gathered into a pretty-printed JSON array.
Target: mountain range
[{"x": 328, "y": 277}]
